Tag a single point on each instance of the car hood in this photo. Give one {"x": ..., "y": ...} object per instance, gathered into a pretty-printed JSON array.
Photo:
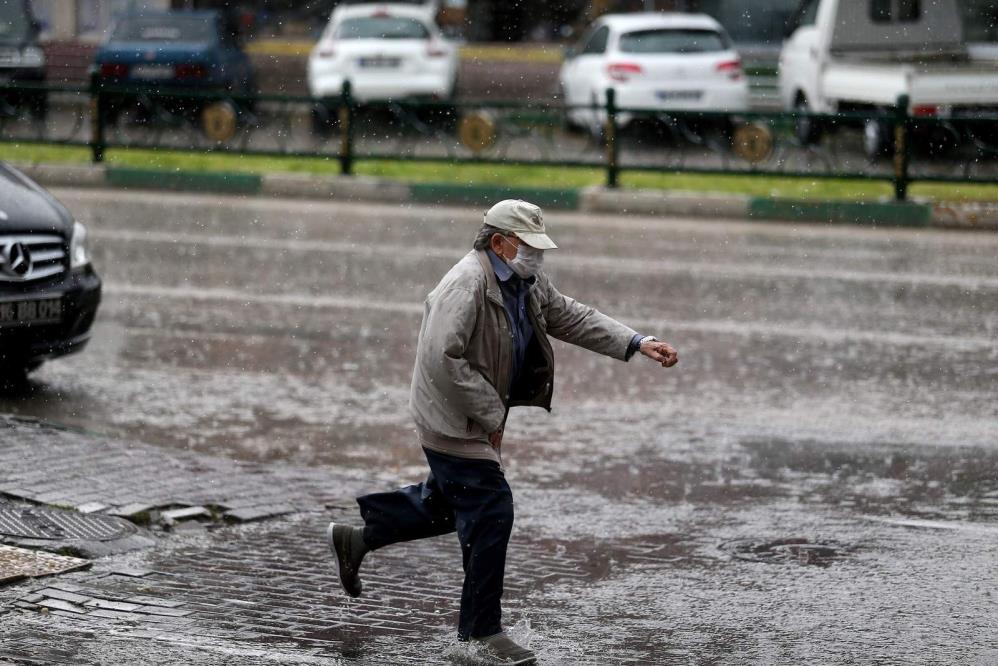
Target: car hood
[
  {"x": 132, "y": 53},
  {"x": 27, "y": 208}
]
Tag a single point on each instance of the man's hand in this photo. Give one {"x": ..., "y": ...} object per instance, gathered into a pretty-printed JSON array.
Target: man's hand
[
  {"x": 495, "y": 439},
  {"x": 661, "y": 352}
]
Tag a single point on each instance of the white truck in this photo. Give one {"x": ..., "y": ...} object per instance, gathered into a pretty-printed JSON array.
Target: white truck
[{"x": 856, "y": 55}]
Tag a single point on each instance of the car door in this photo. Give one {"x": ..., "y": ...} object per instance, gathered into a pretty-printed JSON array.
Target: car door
[
  {"x": 583, "y": 75},
  {"x": 799, "y": 63}
]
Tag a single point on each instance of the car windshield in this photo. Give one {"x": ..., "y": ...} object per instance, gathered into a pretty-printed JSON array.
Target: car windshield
[
  {"x": 382, "y": 27},
  {"x": 673, "y": 41},
  {"x": 15, "y": 24},
  {"x": 164, "y": 29}
]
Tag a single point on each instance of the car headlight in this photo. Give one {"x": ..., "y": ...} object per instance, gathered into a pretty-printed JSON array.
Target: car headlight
[
  {"x": 32, "y": 56},
  {"x": 79, "y": 256}
]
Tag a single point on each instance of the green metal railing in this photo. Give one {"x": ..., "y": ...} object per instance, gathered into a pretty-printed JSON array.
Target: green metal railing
[{"x": 485, "y": 132}]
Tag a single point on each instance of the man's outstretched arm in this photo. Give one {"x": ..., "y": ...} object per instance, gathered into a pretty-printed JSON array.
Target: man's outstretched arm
[{"x": 587, "y": 327}]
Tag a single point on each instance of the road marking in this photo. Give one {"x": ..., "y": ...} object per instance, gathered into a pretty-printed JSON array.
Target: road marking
[
  {"x": 574, "y": 261},
  {"x": 730, "y": 327}
]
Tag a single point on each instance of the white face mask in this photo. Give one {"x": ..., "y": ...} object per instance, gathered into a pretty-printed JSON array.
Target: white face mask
[{"x": 527, "y": 262}]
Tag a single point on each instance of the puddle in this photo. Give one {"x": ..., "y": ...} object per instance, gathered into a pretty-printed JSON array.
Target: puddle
[{"x": 800, "y": 551}]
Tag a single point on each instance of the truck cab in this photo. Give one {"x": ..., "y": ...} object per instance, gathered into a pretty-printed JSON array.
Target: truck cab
[{"x": 22, "y": 60}]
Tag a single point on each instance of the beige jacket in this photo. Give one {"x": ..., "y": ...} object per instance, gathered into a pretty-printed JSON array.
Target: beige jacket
[{"x": 461, "y": 389}]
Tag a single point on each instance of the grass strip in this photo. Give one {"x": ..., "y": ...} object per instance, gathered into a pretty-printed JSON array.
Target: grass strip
[{"x": 813, "y": 189}]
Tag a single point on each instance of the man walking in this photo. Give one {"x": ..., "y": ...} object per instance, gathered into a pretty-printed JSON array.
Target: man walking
[{"x": 483, "y": 348}]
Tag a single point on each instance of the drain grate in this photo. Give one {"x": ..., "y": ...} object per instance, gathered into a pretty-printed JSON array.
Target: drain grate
[
  {"x": 39, "y": 522},
  {"x": 787, "y": 551}
]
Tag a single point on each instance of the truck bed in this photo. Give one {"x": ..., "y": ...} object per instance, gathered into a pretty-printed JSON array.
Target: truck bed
[{"x": 928, "y": 83}]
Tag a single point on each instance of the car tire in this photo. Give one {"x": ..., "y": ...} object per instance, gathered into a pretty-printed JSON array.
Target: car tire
[
  {"x": 324, "y": 119},
  {"x": 38, "y": 106},
  {"x": 808, "y": 130},
  {"x": 877, "y": 138},
  {"x": 14, "y": 376}
]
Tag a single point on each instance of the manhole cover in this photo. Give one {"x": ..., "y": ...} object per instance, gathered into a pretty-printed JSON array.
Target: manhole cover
[
  {"x": 38, "y": 522},
  {"x": 786, "y": 551}
]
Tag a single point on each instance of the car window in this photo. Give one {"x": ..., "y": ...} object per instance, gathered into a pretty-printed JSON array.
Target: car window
[
  {"x": 673, "y": 41},
  {"x": 164, "y": 29},
  {"x": 14, "y": 21},
  {"x": 597, "y": 43},
  {"x": 809, "y": 14},
  {"x": 909, "y": 10},
  {"x": 880, "y": 11},
  {"x": 382, "y": 27}
]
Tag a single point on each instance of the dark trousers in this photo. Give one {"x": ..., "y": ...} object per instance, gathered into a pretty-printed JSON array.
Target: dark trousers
[{"x": 463, "y": 495}]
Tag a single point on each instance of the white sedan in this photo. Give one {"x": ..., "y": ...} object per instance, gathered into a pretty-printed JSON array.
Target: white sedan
[
  {"x": 656, "y": 61},
  {"x": 386, "y": 51}
]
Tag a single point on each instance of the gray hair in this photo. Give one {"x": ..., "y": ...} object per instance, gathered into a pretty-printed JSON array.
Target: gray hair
[{"x": 485, "y": 235}]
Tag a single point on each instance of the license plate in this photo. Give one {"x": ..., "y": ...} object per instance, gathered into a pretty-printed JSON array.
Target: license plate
[
  {"x": 679, "y": 95},
  {"x": 380, "y": 61},
  {"x": 154, "y": 72},
  {"x": 30, "y": 313}
]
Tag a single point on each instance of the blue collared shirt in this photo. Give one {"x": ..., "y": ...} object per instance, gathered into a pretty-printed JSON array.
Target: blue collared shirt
[{"x": 514, "y": 297}]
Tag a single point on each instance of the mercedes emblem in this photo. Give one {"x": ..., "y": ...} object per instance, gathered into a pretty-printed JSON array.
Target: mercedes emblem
[{"x": 17, "y": 260}]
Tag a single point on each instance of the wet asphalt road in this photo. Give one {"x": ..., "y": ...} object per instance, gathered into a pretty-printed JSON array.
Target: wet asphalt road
[{"x": 835, "y": 384}]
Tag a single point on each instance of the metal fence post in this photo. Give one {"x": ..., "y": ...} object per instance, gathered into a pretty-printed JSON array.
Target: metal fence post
[
  {"x": 98, "y": 117},
  {"x": 612, "y": 168},
  {"x": 346, "y": 130},
  {"x": 902, "y": 148}
]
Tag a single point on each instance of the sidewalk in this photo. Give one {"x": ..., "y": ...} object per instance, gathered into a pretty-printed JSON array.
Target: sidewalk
[{"x": 213, "y": 588}]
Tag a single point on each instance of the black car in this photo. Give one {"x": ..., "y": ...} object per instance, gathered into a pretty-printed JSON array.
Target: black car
[{"x": 49, "y": 291}]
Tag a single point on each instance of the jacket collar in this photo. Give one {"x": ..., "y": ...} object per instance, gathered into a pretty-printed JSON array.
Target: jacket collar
[{"x": 491, "y": 284}]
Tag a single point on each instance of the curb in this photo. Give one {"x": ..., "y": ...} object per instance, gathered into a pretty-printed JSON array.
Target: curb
[
  {"x": 188, "y": 181},
  {"x": 943, "y": 215},
  {"x": 842, "y": 212}
]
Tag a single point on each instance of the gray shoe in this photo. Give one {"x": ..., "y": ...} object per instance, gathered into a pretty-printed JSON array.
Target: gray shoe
[
  {"x": 500, "y": 649},
  {"x": 347, "y": 544}
]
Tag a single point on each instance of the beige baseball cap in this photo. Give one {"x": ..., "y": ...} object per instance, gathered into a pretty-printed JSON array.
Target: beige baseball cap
[{"x": 522, "y": 218}]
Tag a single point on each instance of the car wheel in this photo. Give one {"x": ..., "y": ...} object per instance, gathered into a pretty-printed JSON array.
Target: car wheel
[
  {"x": 39, "y": 106},
  {"x": 14, "y": 376},
  {"x": 877, "y": 138},
  {"x": 324, "y": 119},
  {"x": 808, "y": 130}
]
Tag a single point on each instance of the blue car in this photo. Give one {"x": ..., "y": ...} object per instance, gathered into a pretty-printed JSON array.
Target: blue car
[{"x": 165, "y": 51}]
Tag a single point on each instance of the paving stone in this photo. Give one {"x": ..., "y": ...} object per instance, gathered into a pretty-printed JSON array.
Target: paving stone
[
  {"x": 153, "y": 601},
  {"x": 92, "y": 507},
  {"x": 111, "y": 614},
  {"x": 186, "y": 513},
  {"x": 131, "y": 510},
  {"x": 58, "y": 604},
  {"x": 17, "y": 563},
  {"x": 60, "y": 594},
  {"x": 160, "y": 610},
  {"x": 108, "y": 604}
]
